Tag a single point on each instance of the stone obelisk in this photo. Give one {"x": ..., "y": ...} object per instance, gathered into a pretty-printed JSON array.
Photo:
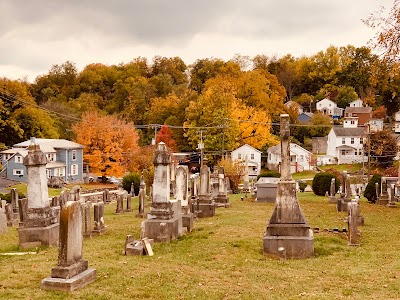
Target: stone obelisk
[{"x": 288, "y": 232}]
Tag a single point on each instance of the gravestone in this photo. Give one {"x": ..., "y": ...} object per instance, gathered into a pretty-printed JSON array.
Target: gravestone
[
  {"x": 383, "y": 197},
  {"x": 161, "y": 221},
  {"x": 132, "y": 190},
  {"x": 120, "y": 204},
  {"x": 14, "y": 203},
  {"x": 206, "y": 204},
  {"x": 267, "y": 189},
  {"x": 87, "y": 226},
  {"x": 354, "y": 234},
  {"x": 106, "y": 196},
  {"x": 98, "y": 212},
  {"x": 128, "y": 203},
  {"x": 332, "y": 197},
  {"x": 9, "y": 215},
  {"x": 345, "y": 195},
  {"x": 72, "y": 271},
  {"x": 75, "y": 193},
  {"x": 222, "y": 196},
  {"x": 3, "y": 217},
  {"x": 142, "y": 198},
  {"x": 392, "y": 203},
  {"x": 182, "y": 195},
  {"x": 287, "y": 228},
  {"x": 39, "y": 225}
]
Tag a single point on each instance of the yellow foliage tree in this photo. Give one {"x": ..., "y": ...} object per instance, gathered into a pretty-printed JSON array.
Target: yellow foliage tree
[
  {"x": 110, "y": 143},
  {"x": 254, "y": 124}
]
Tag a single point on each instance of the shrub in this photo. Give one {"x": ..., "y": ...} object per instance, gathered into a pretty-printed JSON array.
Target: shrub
[
  {"x": 370, "y": 191},
  {"x": 127, "y": 181},
  {"x": 269, "y": 173},
  {"x": 302, "y": 186},
  {"x": 322, "y": 183}
]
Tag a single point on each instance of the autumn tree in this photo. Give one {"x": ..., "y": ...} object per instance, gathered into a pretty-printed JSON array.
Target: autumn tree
[
  {"x": 109, "y": 143},
  {"x": 234, "y": 170},
  {"x": 165, "y": 135},
  {"x": 383, "y": 147}
]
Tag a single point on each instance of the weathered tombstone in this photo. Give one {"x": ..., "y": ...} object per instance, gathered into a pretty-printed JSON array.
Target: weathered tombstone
[
  {"x": 383, "y": 197},
  {"x": 182, "y": 195},
  {"x": 87, "y": 226},
  {"x": 161, "y": 208},
  {"x": 206, "y": 204},
  {"x": 132, "y": 190},
  {"x": 39, "y": 226},
  {"x": 332, "y": 196},
  {"x": 98, "y": 211},
  {"x": 392, "y": 202},
  {"x": 348, "y": 188},
  {"x": 377, "y": 190},
  {"x": 287, "y": 227},
  {"x": 135, "y": 247},
  {"x": 72, "y": 271},
  {"x": 222, "y": 196},
  {"x": 142, "y": 198},
  {"x": 106, "y": 196},
  {"x": 3, "y": 217},
  {"x": 267, "y": 189},
  {"x": 128, "y": 203},
  {"x": 120, "y": 204},
  {"x": 75, "y": 193},
  {"x": 353, "y": 214},
  {"x": 9, "y": 215},
  {"x": 14, "y": 202}
]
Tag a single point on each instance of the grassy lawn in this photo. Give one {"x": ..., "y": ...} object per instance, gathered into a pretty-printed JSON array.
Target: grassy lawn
[
  {"x": 351, "y": 168},
  {"x": 304, "y": 175},
  {"x": 222, "y": 259}
]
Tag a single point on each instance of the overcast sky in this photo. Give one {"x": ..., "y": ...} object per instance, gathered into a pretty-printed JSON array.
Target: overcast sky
[{"x": 36, "y": 34}]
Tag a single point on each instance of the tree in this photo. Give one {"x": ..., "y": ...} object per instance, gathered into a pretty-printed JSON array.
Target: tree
[
  {"x": 109, "y": 143},
  {"x": 234, "y": 170},
  {"x": 370, "y": 190},
  {"x": 322, "y": 183},
  {"x": 383, "y": 147},
  {"x": 387, "y": 33},
  {"x": 202, "y": 70},
  {"x": 166, "y": 135}
]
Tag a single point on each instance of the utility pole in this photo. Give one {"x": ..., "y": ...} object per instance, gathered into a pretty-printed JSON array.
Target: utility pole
[{"x": 201, "y": 147}]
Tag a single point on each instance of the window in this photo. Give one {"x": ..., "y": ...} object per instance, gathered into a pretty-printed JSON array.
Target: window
[
  {"x": 343, "y": 152},
  {"x": 59, "y": 172},
  {"x": 48, "y": 173},
  {"x": 239, "y": 156},
  {"x": 301, "y": 158},
  {"x": 270, "y": 156},
  {"x": 352, "y": 141},
  {"x": 352, "y": 122},
  {"x": 343, "y": 141},
  {"x": 73, "y": 154},
  {"x": 252, "y": 156},
  {"x": 361, "y": 141},
  {"x": 74, "y": 170},
  {"x": 18, "y": 172},
  {"x": 18, "y": 159}
]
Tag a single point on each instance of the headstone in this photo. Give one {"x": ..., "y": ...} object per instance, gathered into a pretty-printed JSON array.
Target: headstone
[
  {"x": 267, "y": 189},
  {"x": 377, "y": 190},
  {"x": 222, "y": 196},
  {"x": 392, "y": 200},
  {"x": 3, "y": 217},
  {"x": 75, "y": 193},
  {"x": 87, "y": 226},
  {"x": 132, "y": 190},
  {"x": 161, "y": 208},
  {"x": 14, "y": 203},
  {"x": 206, "y": 204},
  {"x": 39, "y": 226},
  {"x": 383, "y": 197},
  {"x": 72, "y": 271},
  {"x": 128, "y": 203},
  {"x": 98, "y": 212},
  {"x": 135, "y": 247},
  {"x": 181, "y": 184},
  {"x": 106, "y": 196},
  {"x": 120, "y": 204},
  {"x": 332, "y": 196},
  {"x": 287, "y": 227},
  {"x": 9, "y": 214},
  {"x": 353, "y": 232}
]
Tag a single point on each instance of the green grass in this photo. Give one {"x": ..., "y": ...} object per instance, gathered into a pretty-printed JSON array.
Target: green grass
[
  {"x": 222, "y": 259},
  {"x": 351, "y": 168},
  {"x": 304, "y": 175}
]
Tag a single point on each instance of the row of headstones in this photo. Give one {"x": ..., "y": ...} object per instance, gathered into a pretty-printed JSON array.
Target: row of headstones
[{"x": 387, "y": 194}]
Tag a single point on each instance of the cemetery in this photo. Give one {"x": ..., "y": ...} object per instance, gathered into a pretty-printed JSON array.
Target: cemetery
[{"x": 190, "y": 239}]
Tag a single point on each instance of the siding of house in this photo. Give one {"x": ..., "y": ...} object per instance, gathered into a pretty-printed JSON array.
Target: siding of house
[
  {"x": 14, "y": 167},
  {"x": 253, "y": 156}
]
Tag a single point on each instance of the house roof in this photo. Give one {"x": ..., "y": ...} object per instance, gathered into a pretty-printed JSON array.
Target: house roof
[
  {"x": 340, "y": 131},
  {"x": 55, "y": 164},
  {"x": 55, "y": 143},
  {"x": 277, "y": 148},
  {"x": 358, "y": 110},
  {"x": 246, "y": 145},
  {"x": 289, "y": 103},
  {"x": 345, "y": 147}
]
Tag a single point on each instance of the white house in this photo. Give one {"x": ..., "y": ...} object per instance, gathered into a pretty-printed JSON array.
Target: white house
[
  {"x": 356, "y": 103},
  {"x": 375, "y": 125},
  {"x": 300, "y": 158},
  {"x": 397, "y": 122},
  {"x": 346, "y": 143},
  {"x": 330, "y": 108},
  {"x": 253, "y": 158}
]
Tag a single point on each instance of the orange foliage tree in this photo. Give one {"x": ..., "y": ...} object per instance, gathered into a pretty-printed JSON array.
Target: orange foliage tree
[
  {"x": 109, "y": 143},
  {"x": 166, "y": 135}
]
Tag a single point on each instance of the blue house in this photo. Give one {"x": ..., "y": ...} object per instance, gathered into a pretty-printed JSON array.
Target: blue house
[{"x": 64, "y": 159}]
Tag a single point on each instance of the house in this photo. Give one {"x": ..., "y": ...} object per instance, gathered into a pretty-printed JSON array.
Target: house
[
  {"x": 305, "y": 117},
  {"x": 330, "y": 108},
  {"x": 346, "y": 144},
  {"x": 397, "y": 122},
  {"x": 375, "y": 125},
  {"x": 364, "y": 114},
  {"x": 253, "y": 159},
  {"x": 300, "y": 158},
  {"x": 356, "y": 103},
  {"x": 294, "y": 105},
  {"x": 64, "y": 159}
]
